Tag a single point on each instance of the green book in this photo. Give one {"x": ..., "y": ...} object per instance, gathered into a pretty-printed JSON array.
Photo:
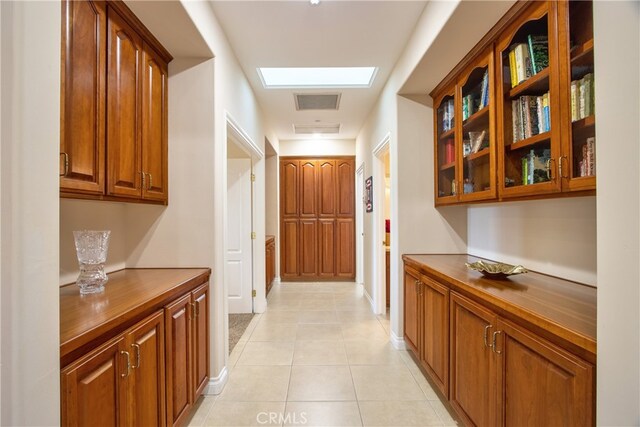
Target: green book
[{"x": 539, "y": 52}]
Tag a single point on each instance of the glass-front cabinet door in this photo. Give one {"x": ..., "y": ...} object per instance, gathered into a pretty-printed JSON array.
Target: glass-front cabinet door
[
  {"x": 477, "y": 168},
  {"x": 529, "y": 119},
  {"x": 446, "y": 182}
]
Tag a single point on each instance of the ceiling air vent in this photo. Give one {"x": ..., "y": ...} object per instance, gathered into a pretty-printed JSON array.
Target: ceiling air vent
[
  {"x": 318, "y": 101},
  {"x": 316, "y": 129}
]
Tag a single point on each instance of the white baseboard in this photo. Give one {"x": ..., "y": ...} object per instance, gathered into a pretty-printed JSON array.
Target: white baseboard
[
  {"x": 368, "y": 297},
  {"x": 216, "y": 385},
  {"x": 397, "y": 342}
]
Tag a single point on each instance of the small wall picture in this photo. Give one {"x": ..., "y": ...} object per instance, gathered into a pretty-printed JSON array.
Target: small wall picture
[{"x": 368, "y": 194}]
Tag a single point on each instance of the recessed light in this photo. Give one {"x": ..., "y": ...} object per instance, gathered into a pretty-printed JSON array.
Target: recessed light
[
  {"x": 314, "y": 2},
  {"x": 316, "y": 77}
]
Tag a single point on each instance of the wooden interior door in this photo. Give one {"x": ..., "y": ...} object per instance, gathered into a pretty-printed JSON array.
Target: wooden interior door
[
  {"x": 124, "y": 55},
  {"x": 317, "y": 207},
  {"x": 434, "y": 353},
  {"x": 146, "y": 347},
  {"x": 472, "y": 363},
  {"x": 178, "y": 359},
  {"x": 154, "y": 126},
  {"x": 543, "y": 385},
  {"x": 94, "y": 388},
  {"x": 82, "y": 117},
  {"x": 200, "y": 340}
]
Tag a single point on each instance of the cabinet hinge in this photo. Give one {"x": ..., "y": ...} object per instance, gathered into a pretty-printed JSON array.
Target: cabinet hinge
[
  {"x": 253, "y": 293},
  {"x": 253, "y": 235},
  {"x": 253, "y": 177}
]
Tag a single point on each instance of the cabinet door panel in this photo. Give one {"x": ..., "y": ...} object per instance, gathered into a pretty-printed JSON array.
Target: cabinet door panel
[
  {"x": 345, "y": 248},
  {"x": 93, "y": 389},
  {"x": 346, "y": 188},
  {"x": 472, "y": 387},
  {"x": 434, "y": 353},
  {"x": 543, "y": 384},
  {"x": 123, "y": 108},
  {"x": 289, "y": 188},
  {"x": 146, "y": 346},
  {"x": 289, "y": 265},
  {"x": 327, "y": 188},
  {"x": 154, "y": 126},
  {"x": 411, "y": 277},
  {"x": 327, "y": 262},
  {"x": 201, "y": 340},
  {"x": 308, "y": 247},
  {"x": 82, "y": 121},
  {"x": 178, "y": 357},
  {"x": 308, "y": 188}
]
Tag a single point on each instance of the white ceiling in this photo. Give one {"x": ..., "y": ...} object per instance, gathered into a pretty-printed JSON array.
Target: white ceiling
[{"x": 334, "y": 33}]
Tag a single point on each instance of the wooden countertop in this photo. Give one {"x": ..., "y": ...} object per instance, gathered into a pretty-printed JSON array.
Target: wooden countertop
[
  {"x": 553, "y": 307},
  {"x": 129, "y": 294}
]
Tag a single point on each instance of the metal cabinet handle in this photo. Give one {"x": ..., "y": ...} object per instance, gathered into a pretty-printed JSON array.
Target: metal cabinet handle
[
  {"x": 197, "y": 308},
  {"x": 137, "y": 347},
  {"x": 126, "y": 353},
  {"x": 66, "y": 164},
  {"x": 144, "y": 180},
  {"x": 560, "y": 168},
  {"x": 550, "y": 174},
  {"x": 150, "y": 181},
  {"x": 485, "y": 337},
  {"x": 493, "y": 344}
]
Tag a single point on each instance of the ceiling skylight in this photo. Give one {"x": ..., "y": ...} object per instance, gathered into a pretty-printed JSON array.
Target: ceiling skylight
[{"x": 320, "y": 77}]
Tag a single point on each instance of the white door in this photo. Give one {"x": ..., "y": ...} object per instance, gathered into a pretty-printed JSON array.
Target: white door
[
  {"x": 239, "y": 269},
  {"x": 360, "y": 225}
]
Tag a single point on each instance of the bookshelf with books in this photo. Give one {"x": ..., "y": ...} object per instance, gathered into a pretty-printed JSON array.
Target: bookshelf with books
[
  {"x": 577, "y": 164},
  {"x": 446, "y": 183},
  {"x": 527, "y": 95},
  {"x": 477, "y": 170}
]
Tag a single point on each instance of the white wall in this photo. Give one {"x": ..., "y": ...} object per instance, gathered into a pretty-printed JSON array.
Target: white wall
[
  {"x": 617, "y": 65},
  {"x": 272, "y": 202},
  {"x": 556, "y": 237},
  {"x": 318, "y": 147},
  {"x": 30, "y": 117}
]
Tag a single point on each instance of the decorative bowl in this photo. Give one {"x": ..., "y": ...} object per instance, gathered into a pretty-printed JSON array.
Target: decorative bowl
[{"x": 498, "y": 270}]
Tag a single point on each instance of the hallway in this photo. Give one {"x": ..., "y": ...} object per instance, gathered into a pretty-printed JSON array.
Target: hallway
[{"x": 319, "y": 357}]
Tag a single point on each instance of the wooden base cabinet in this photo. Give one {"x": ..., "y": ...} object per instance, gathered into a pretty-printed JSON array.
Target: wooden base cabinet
[
  {"x": 187, "y": 352},
  {"x": 120, "y": 383}
]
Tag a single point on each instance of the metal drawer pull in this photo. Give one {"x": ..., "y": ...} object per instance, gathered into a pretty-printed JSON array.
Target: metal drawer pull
[
  {"x": 493, "y": 344},
  {"x": 66, "y": 164},
  {"x": 485, "y": 337},
  {"x": 126, "y": 353},
  {"x": 137, "y": 347}
]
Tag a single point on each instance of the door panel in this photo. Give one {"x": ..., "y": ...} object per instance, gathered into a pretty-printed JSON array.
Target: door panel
[
  {"x": 200, "y": 340},
  {"x": 346, "y": 188},
  {"x": 289, "y": 253},
  {"x": 154, "y": 126},
  {"x": 435, "y": 332},
  {"x": 308, "y": 247},
  {"x": 308, "y": 188},
  {"x": 327, "y": 188},
  {"x": 82, "y": 127},
  {"x": 178, "y": 357},
  {"x": 411, "y": 326},
  {"x": 543, "y": 384},
  {"x": 123, "y": 108},
  {"x": 345, "y": 248},
  {"x": 239, "y": 257},
  {"x": 327, "y": 262},
  {"x": 289, "y": 188},
  {"x": 146, "y": 346},
  {"x": 472, "y": 388}
]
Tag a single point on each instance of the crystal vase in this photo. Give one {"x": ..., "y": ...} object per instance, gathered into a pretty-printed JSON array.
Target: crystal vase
[{"x": 91, "y": 247}]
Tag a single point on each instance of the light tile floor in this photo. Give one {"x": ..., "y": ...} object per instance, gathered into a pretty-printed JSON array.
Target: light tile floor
[{"x": 319, "y": 357}]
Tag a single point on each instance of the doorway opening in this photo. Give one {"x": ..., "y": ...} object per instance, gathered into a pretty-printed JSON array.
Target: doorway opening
[
  {"x": 360, "y": 207},
  {"x": 382, "y": 254}
]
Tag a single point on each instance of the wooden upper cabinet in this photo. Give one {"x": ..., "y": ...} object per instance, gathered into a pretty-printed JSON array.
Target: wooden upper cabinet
[
  {"x": 346, "y": 187},
  {"x": 82, "y": 96},
  {"x": 289, "y": 188},
  {"x": 327, "y": 188},
  {"x": 113, "y": 142},
  {"x": 543, "y": 384},
  {"x": 447, "y": 186},
  {"x": 154, "y": 126},
  {"x": 124, "y": 161},
  {"x": 308, "y": 188}
]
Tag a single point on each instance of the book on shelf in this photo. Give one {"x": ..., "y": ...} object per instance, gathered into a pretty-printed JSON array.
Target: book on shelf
[
  {"x": 484, "y": 92},
  {"x": 449, "y": 151},
  {"x": 447, "y": 113},
  {"x": 539, "y": 52},
  {"x": 582, "y": 99},
  {"x": 587, "y": 165},
  {"x": 530, "y": 116},
  {"x": 535, "y": 166},
  {"x": 477, "y": 99}
]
